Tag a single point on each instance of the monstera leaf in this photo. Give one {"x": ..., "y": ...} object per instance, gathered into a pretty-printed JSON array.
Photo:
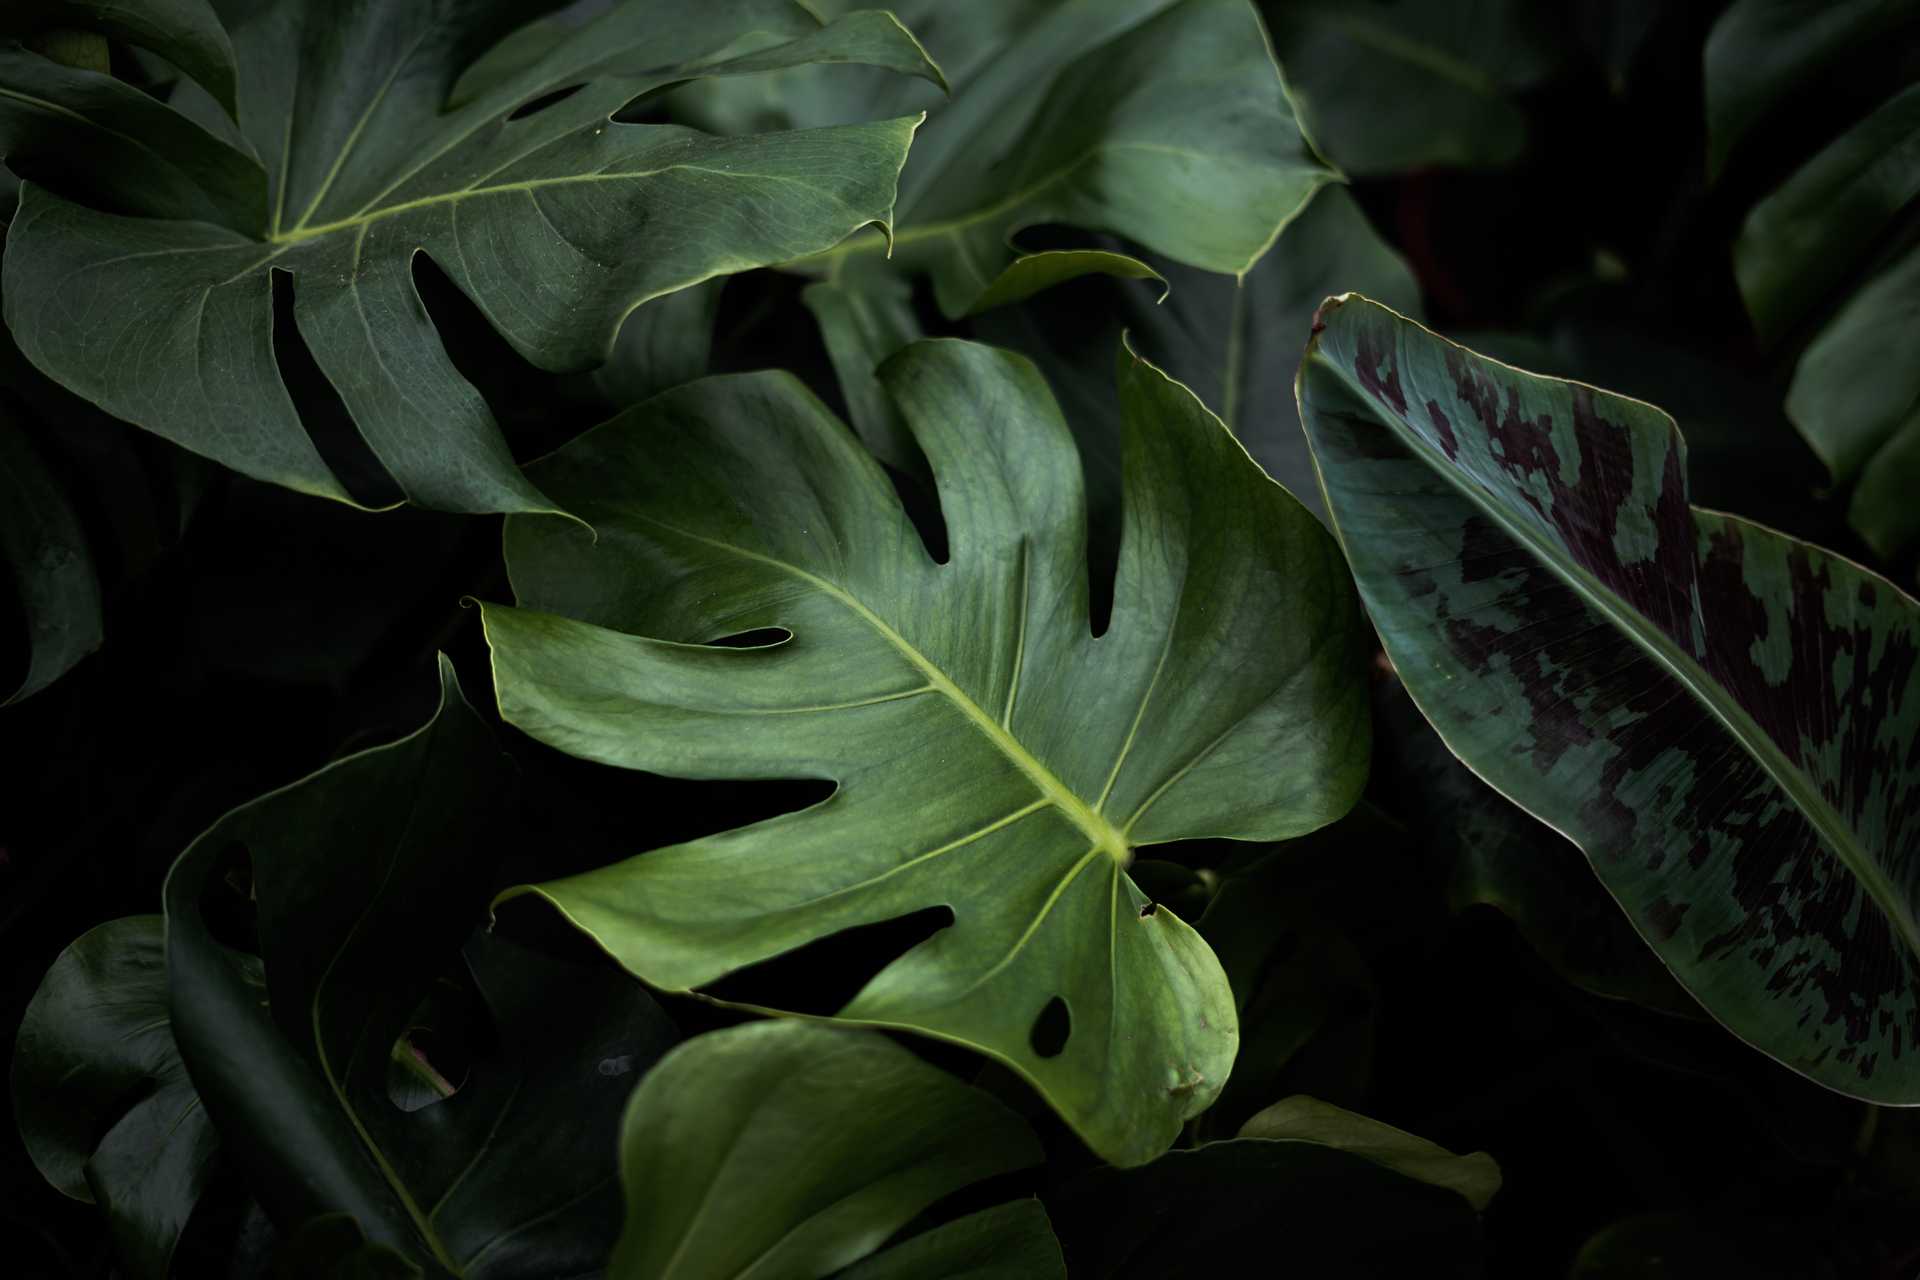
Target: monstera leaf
[
  {"x": 369, "y": 878},
  {"x": 991, "y": 754},
  {"x": 547, "y": 212},
  {"x": 105, "y": 1106},
  {"x": 1830, "y": 251},
  {"x": 788, "y": 1149},
  {"x": 1724, "y": 719}
]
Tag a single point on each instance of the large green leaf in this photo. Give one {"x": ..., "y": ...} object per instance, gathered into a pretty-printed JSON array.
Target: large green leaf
[
  {"x": 1161, "y": 121},
  {"x": 105, "y": 1107},
  {"x": 991, "y": 754},
  {"x": 1724, "y": 719},
  {"x": 369, "y": 879},
  {"x": 1384, "y": 86},
  {"x": 789, "y": 1149},
  {"x": 555, "y": 219}
]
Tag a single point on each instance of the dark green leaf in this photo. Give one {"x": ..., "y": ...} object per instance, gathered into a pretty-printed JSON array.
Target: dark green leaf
[
  {"x": 964, "y": 709},
  {"x": 1476, "y": 1177},
  {"x": 187, "y": 33},
  {"x": 793, "y": 1149},
  {"x": 46, "y": 552},
  {"x": 553, "y": 217},
  {"x": 1724, "y": 719},
  {"x": 1384, "y": 86},
  {"x": 368, "y": 877},
  {"x": 1012, "y": 1240},
  {"x": 105, "y": 1106}
]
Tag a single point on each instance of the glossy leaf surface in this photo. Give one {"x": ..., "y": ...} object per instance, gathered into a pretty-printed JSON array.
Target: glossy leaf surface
[
  {"x": 551, "y": 216},
  {"x": 991, "y": 754},
  {"x": 1724, "y": 719},
  {"x": 369, "y": 877},
  {"x": 105, "y": 1106},
  {"x": 793, "y": 1149}
]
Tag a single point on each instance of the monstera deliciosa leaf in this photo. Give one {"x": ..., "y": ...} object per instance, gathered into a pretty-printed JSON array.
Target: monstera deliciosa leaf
[
  {"x": 1827, "y": 261},
  {"x": 790, "y": 1149},
  {"x": 991, "y": 754},
  {"x": 369, "y": 879},
  {"x": 1726, "y": 720},
  {"x": 105, "y": 1107},
  {"x": 553, "y": 217}
]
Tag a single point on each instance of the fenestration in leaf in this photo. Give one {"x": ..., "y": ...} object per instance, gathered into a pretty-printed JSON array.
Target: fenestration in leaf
[
  {"x": 991, "y": 754},
  {"x": 1725, "y": 719},
  {"x": 555, "y": 219}
]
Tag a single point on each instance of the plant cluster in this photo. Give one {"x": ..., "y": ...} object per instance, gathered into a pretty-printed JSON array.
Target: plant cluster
[{"x": 774, "y": 639}]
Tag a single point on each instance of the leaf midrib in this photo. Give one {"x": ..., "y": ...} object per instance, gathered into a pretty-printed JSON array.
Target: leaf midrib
[
  {"x": 1707, "y": 691},
  {"x": 1106, "y": 837}
]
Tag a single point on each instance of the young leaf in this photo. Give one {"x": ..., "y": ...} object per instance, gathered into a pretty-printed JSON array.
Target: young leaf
[
  {"x": 46, "y": 553},
  {"x": 552, "y": 216},
  {"x": 1724, "y": 719},
  {"x": 791, "y": 1149},
  {"x": 1476, "y": 1177},
  {"x": 105, "y": 1107},
  {"x": 991, "y": 754},
  {"x": 369, "y": 877}
]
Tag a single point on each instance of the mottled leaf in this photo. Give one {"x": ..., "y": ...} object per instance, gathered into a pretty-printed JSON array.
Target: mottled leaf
[
  {"x": 793, "y": 1149},
  {"x": 551, "y": 215},
  {"x": 990, "y": 754},
  {"x": 1723, "y": 718},
  {"x": 105, "y": 1107},
  {"x": 369, "y": 879},
  {"x": 1476, "y": 1177}
]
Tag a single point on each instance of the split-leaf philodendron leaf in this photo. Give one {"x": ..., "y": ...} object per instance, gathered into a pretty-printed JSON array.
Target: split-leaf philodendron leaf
[
  {"x": 553, "y": 217},
  {"x": 105, "y": 1107},
  {"x": 992, "y": 755},
  {"x": 792, "y": 1149},
  {"x": 1726, "y": 720},
  {"x": 370, "y": 878}
]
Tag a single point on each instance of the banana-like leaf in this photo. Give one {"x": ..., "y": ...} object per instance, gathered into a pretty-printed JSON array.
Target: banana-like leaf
[
  {"x": 369, "y": 878},
  {"x": 1162, "y": 121},
  {"x": 991, "y": 754},
  {"x": 1726, "y": 720},
  {"x": 1384, "y": 86},
  {"x": 792, "y": 1149},
  {"x": 553, "y": 217},
  {"x": 105, "y": 1107}
]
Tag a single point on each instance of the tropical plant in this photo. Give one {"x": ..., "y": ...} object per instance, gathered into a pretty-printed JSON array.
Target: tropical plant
[{"x": 1014, "y": 639}]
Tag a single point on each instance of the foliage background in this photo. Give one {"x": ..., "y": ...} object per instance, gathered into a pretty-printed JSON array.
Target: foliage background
[{"x": 254, "y": 635}]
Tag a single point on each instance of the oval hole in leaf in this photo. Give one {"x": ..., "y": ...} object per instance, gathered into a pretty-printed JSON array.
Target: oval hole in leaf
[
  {"x": 822, "y": 976},
  {"x": 535, "y": 106},
  {"x": 1051, "y": 1029}
]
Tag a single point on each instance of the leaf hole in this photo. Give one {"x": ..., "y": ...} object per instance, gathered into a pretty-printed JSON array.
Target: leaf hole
[
  {"x": 425, "y": 1069},
  {"x": 821, "y": 976},
  {"x": 758, "y": 638},
  {"x": 1146, "y": 912},
  {"x": 534, "y": 106},
  {"x": 322, "y": 412},
  {"x": 1051, "y": 1029}
]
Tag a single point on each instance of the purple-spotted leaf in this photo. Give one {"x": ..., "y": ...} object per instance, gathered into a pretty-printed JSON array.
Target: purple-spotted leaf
[{"x": 1726, "y": 720}]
